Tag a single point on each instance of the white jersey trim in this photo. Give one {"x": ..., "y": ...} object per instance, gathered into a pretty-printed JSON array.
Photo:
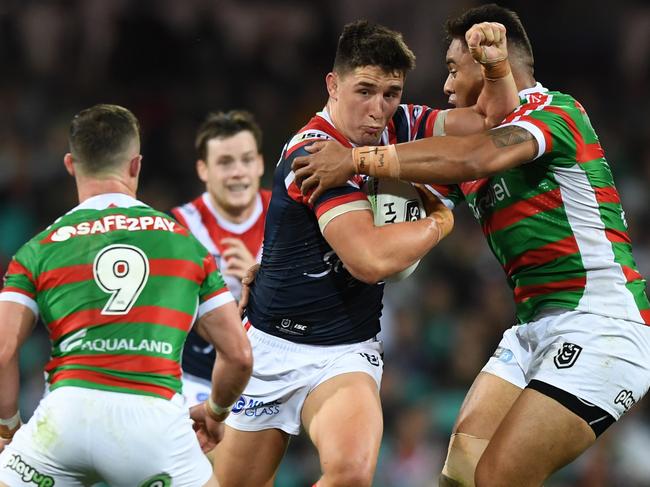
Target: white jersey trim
[
  {"x": 19, "y": 298},
  {"x": 242, "y": 227},
  {"x": 534, "y": 131},
  {"x": 214, "y": 302},
  {"x": 605, "y": 290}
]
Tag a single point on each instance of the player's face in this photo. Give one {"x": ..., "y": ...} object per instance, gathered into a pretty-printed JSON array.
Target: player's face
[
  {"x": 231, "y": 172},
  {"x": 363, "y": 101},
  {"x": 465, "y": 81}
]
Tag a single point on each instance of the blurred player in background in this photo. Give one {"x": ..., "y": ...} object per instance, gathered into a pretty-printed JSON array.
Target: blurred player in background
[
  {"x": 315, "y": 305},
  {"x": 544, "y": 194},
  {"x": 117, "y": 284},
  {"x": 228, "y": 219}
]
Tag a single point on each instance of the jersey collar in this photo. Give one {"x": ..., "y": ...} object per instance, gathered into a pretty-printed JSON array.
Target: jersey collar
[
  {"x": 235, "y": 227},
  {"x": 106, "y": 200},
  {"x": 538, "y": 88}
]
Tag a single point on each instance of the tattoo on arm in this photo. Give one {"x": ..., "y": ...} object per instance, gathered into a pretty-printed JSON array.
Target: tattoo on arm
[{"x": 511, "y": 135}]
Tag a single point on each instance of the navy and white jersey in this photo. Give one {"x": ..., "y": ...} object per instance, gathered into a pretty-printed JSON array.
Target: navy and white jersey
[
  {"x": 303, "y": 293},
  {"x": 202, "y": 219}
]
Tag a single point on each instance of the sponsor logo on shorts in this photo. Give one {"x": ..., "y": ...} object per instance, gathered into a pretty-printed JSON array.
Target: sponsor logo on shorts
[
  {"x": 371, "y": 358},
  {"x": 567, "y": 355},
  {"x": 503, "y": 354},
  {"x": 160, "y": 480},
  {"x": 254, "y": 409},
  {"x": 626, "y": 399},
  {"x": 27, "y": 472}
]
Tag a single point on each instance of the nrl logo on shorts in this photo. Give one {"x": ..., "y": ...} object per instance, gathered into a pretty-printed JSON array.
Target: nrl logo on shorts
[{"x": 567, "y": 355}]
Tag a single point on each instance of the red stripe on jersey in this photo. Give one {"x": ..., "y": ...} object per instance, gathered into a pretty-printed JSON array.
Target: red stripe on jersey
[
  {"x": 10, "y": 289},
  {"x": 16, "y": 267},
  {"x": 138, "y": 314},
  {"x": 126, "y": 363},
  {"x": 216, "y": 293},
  {"x": 184, "y": 269},
  {"x": 590, "y": 152},
  {"x": 179, "y": 216},
  {"x": 111, "y": 381},
  {"x": 607, "y": 195},
  {"x": 338, "y": 201},
  {"x": 473, "y": 186},
  {"x": 543, "y": 127},
  {"x": 645, "y": 315},
  {"x": 294, "y": 193},
  {"x": 252, "y": 237},
  {"x": 392, "y": 136},
  {"x": 631, "y": 274},
  {"x": 524, "y": 293},
  {"x": 584, "y": 152},
  {"x": 519, "y": 210},
  {"x": 318, "y": 123},
  {"x": 209, "y": 264},
  {"x": 431, "y": 120},
  {"x": 64, "y": 275},
  {"x": 543, "y": 255},
  {"x": 617, "y": 236}
]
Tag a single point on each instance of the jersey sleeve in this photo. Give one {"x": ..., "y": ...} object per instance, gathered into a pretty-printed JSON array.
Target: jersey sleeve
[
  {"x": 19, "y": 282},
  {"x": 333, "y": 202},
  {"x": 414, "y": 122},
  {"x": 554, "y": 126},
  {"x": 213, "y": 292}
]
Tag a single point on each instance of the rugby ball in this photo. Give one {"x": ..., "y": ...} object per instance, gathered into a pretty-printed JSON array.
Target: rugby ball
[{"x": 394, "y": 202}]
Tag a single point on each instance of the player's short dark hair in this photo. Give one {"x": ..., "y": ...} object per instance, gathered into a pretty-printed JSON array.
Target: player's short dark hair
[
  {"x": 226, "y": 124},
  {"x": 515, "y": 32},
  {"x": 100, "y": 135},
  {"x": 365, "y": 44}
]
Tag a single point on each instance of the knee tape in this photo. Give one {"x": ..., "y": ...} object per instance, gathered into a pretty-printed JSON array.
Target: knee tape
[{"x": 462, "y": 457}]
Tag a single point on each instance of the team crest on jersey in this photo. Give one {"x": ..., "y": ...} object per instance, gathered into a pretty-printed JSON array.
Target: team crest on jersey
[{"x": 567, "y": 355}]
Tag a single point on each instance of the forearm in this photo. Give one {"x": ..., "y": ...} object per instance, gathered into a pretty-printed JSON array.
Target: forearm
[
  {"x": 9, "y": 387},
  {"x": 392, "y": 248},
  {"x": 498, "y": 98},
  {"x": 229, "y": 378}
]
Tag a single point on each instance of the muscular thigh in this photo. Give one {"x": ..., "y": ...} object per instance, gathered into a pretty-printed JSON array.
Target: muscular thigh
[
  {"x": 249, "y": 458},
  {"x": 344, "y": 420},
  {"x": 536, "y": 437},
  {"x": 485, "y": 405}
]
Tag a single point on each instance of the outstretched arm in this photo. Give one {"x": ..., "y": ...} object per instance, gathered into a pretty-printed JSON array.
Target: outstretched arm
[{"x": 441, "y": 160}]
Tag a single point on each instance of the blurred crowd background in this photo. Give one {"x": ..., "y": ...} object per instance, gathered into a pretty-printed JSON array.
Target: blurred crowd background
[{"x": 171, "y": 61}]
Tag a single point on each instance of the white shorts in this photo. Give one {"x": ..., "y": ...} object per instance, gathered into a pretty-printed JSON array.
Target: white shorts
[
  {"x": 604, "y": 361},
  {"x": 284, "y": 373},
  {"x": 81, "y": 436},
  {"x": 195, "y": 390}
]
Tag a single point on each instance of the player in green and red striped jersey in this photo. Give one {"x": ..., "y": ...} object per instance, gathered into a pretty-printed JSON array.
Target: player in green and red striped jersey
[
  {"x": 118, "y": 286},
  {"x": 544, "y": 194}
]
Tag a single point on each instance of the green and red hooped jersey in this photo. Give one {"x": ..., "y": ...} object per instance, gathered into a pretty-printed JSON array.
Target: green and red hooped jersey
[
  {"x": 556, "y": 224},
  {"x": 118, "y": 286}
]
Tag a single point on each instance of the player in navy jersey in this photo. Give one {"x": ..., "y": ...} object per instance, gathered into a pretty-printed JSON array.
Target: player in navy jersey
[
  {"x": 314, "y": 308},
  {"x": 228, "y": 219}
]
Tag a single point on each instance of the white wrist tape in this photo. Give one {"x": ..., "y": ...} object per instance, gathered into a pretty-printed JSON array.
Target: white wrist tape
[{"x": 12, "y": 422}]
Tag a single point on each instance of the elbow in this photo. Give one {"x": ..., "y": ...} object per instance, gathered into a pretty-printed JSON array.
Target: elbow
[
  {"x": 366, "y": 270},
  {"x": 242, "y": 360}
]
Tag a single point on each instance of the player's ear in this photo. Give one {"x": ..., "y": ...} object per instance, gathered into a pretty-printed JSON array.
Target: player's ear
[
  {"x": 134, "y": 166},
  {"x": 202, "y": 170},
  {"x": 68, "y": 162},
  {"x": 332, "y": 83}
]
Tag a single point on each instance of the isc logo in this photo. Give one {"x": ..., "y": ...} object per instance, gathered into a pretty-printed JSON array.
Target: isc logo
[{"x": 625, "y": 398}]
